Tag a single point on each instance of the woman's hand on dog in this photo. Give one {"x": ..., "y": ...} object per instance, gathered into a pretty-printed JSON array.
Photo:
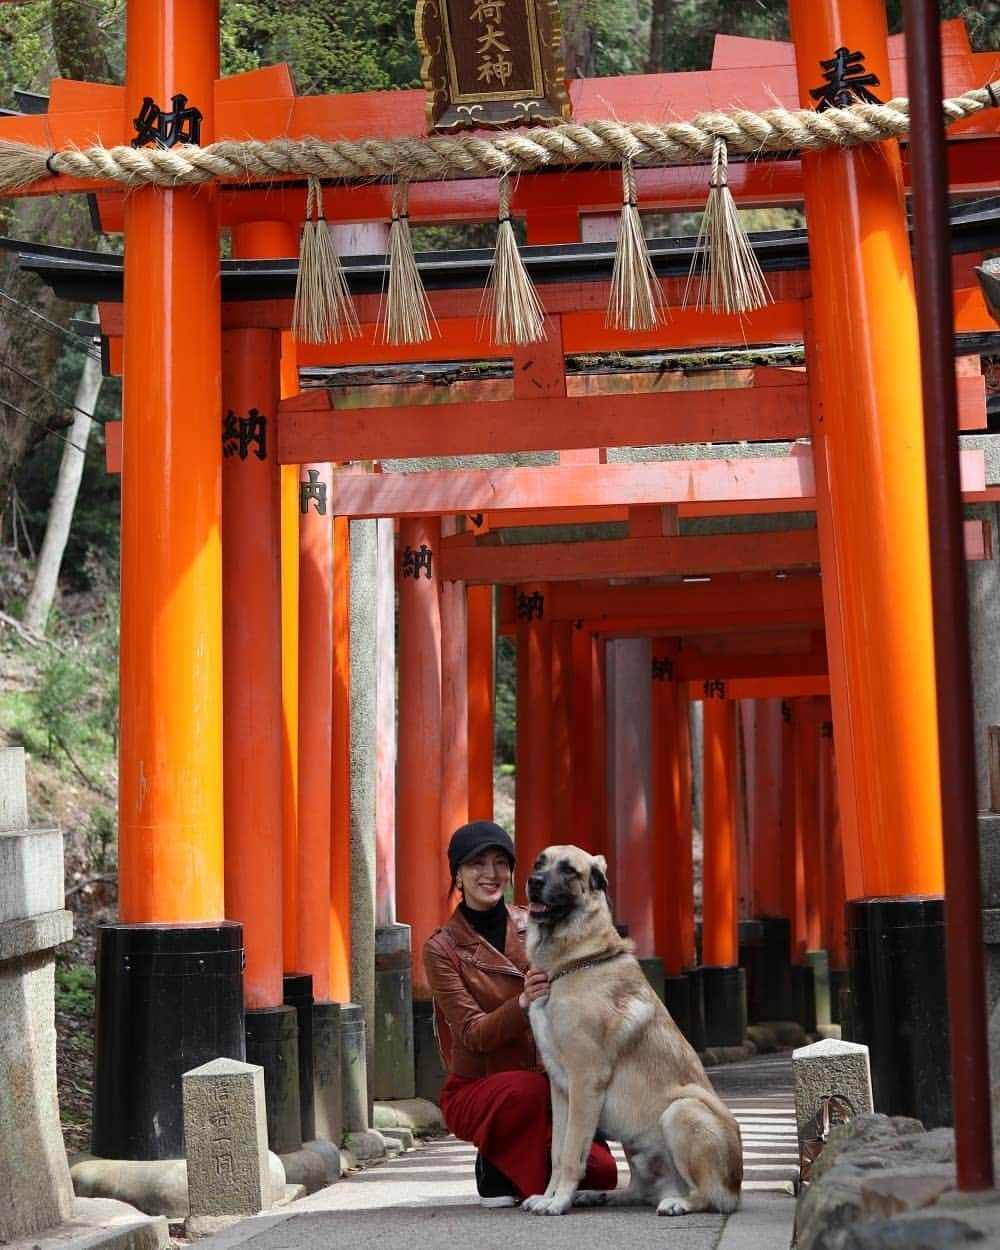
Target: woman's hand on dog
[{"x": 536, "y": 985}]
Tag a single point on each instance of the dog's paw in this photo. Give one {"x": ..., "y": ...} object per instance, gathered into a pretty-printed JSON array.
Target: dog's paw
[
  {"x": 674, "y": 1205},
  {"x": 591, "y": 1198},
  {"x": 540, "y": 1204}
]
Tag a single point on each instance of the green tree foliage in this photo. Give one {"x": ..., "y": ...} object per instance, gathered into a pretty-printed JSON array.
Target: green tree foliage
[
  {"x": 505, "y": 700},
  {"x": 353, "y": 45}
]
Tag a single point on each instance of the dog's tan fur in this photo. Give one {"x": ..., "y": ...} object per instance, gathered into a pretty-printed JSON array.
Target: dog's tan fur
[{"x": 616, "y": 1060}]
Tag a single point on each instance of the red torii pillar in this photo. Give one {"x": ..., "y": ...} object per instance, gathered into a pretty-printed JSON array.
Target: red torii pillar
[
  {"x": 810, "y": 851},
  {"x": 767, "y": 966},
  {"x": 563, "y": 778},
  {"x": 673, "y": 859},
  {"x": 581, "y": 731},
  {"x": 454, "y": 707},
  {"x": 252, "y": 720},
  {"x": 315, "y": 729},
  {"x": 421, "y": 863},
  {"x": 479, "y": 623},
  {"x": 171, "y": 874},
  {"x": 868, "y": 355},
  {"x": 339, "y": 897},
  {"x": 533, "y": 792},
  {"x": 722, "y": 979},
  {"x": 834, "y": 934}
]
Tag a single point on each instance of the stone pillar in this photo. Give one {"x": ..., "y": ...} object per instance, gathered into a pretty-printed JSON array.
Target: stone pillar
[
  {"x": 385, "y": 713},
  {"x": 984, "y": 638},
  {"x": 364, "y": 719},
  {"x": 34, "y": 1176}
]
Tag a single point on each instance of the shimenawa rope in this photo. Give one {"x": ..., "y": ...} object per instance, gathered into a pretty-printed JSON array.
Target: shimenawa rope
[{"x": 600, "y": 142}]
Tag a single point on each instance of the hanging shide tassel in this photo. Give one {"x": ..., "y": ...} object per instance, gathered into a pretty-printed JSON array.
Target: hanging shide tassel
[
  {"x": 731, "y": 278},
  {"x": 518, "y": 315},
  {"x": 323, "y": 308},
  {"x": 408, "y": 313},
  {"x": 636, "y": 300}
]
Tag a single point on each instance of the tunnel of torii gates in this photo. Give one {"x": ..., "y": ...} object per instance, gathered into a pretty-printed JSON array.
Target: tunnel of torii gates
[{"x": 258, "y": 589}]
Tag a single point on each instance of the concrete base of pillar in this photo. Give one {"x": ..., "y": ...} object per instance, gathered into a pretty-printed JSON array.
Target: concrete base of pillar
[
  {"x": 898, "y": 1003},
  {"x": 803, "y": 996},
  {"x": 429, "y": 1075},
  {"x": 724, "y": 989},
  {"x": 677, "y": 1000},
  {"x": 354, "y": 1069},
  {"x": 764, "y": 954},
  {"x": 272, "y": 1035},
  {"x": 696, "y": 1019},
  {"x": 819, "y": 961},
  {"x": 169, "y": 998},
  {"x": 297, "y": 993},
  {"x": 840, "y": 983},
  {"x": 393, "y": 1075},
  {"x": 155, "y": 1186},
  {"x": 653, "y": 968},
  {"x": 328, "y": 1108}
]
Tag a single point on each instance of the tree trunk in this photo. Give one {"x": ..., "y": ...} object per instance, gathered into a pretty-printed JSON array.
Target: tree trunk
[
  {"x": 660, "y": 20},
  {"x": 578, "y": 41},
  {"x": 36, "y": 613}
]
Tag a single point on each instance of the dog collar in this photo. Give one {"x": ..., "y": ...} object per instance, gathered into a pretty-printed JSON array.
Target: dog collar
[{"x": 587, "y": 963}]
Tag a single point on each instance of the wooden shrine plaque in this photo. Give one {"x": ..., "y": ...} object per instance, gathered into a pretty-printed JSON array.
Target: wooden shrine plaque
[{"x": 491, "y": 63}]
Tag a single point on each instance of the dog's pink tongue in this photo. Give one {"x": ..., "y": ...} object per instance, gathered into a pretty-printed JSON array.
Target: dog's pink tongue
[{"x": 537, "y": 909}]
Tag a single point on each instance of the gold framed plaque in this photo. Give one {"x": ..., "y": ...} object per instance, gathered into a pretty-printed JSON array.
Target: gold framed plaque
[{"x": 491, "y": 63}]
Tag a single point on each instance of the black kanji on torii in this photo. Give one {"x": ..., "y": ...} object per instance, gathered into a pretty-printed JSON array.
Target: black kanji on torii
[
  {"x": 153, "y": 125},
  {"x": 530, "y": 606},
  {"x": 315, "y": 490},
  {"x": 414, "y": 561},
  {"x": 239, "y": 432},
  {"x": 715, "y": 689},
  {"x": 663, "y": 668},
  {"x": 846, "y": 82}
]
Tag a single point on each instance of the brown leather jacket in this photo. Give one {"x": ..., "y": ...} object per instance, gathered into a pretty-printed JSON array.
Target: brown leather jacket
[{"x": 490, "y": 1033}]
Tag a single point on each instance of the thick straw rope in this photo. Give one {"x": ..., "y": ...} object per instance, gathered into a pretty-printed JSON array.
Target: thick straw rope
[{"x": 600, "y": 142}]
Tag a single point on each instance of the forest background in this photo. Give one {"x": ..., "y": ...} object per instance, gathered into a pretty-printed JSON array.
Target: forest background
[{"x": 58, "y": 667}]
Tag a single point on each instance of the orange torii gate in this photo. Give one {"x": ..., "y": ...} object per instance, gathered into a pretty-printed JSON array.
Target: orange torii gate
[{"x": 869, "y": 499}]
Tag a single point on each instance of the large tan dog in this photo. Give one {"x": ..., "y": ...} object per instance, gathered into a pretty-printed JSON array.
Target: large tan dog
[{"x": 616, "y": 1060}]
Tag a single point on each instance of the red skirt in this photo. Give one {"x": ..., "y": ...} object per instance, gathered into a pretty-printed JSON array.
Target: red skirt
[{"x": 508, "y": 1118}]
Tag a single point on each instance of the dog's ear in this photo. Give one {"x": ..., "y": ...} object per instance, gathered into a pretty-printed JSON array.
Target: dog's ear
[{"x": 598, "y": 874}]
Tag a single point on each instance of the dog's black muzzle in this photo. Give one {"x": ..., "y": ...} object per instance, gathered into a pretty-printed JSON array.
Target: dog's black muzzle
[{"x": 548, "y": 901}]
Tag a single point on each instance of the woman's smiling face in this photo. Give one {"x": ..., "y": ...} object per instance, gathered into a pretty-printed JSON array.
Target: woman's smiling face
[{"x": 484, "y": 878}]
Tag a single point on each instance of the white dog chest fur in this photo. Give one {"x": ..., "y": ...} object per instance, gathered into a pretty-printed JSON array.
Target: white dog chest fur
[{"x": 546, "y": 1047}]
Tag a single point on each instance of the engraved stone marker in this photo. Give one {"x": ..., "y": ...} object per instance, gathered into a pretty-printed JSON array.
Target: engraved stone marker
[
  {"x": 225, "y": 1132},
  {"x": 833, "y": 1071}
]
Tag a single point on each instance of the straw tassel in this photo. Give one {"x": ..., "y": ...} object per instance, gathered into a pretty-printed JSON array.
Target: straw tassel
[
  {"x": 408, "y": 313},
  {"x": 636, "y": 300},
  {"x": 731, "y": 278},
  {"x": 323, "y": 308},
  {"x": 518, "y": 315}
]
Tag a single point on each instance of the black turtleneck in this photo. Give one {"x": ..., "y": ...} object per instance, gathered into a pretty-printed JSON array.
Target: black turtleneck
[{"x": 491, "y": 925}]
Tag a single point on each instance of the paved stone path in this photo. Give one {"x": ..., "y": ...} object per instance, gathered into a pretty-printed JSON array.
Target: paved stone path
[
  {"x": 759, "y": 1095},
  {"x": 428, "y": 1196}
]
